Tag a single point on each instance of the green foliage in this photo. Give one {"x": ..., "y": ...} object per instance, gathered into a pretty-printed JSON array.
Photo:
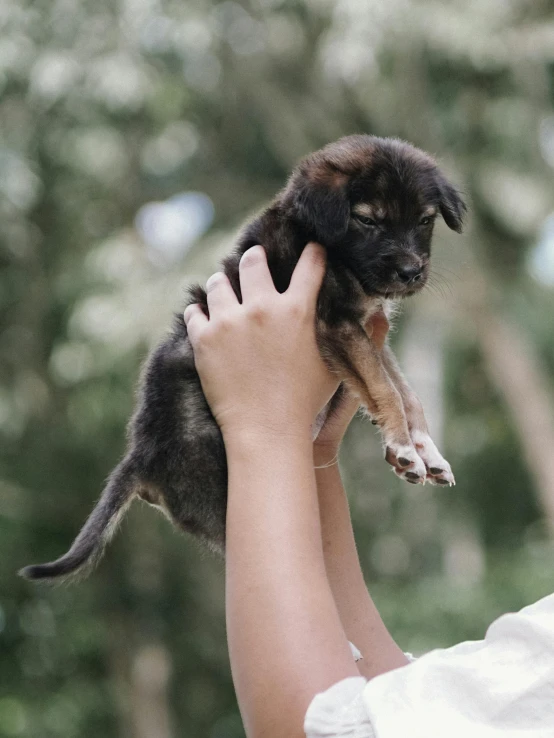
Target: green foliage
[{"x": 106, "y": 108}]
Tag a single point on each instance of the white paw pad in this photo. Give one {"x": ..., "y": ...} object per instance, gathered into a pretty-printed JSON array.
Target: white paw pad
[{"x": 437, "y": 468}]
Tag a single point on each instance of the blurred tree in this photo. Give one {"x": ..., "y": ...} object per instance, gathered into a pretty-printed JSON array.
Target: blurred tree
[{"x": 124, "y": 129}]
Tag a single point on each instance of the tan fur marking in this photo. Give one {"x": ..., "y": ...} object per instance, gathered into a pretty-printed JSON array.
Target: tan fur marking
[
  {"x": 151, "y": 495},
  {"x": 413, "y": 409},
  {"x": 377, "y": 328},
  {"x": 323, "y": 174},
  {"x": 383, "y": 401},
  {"x": 371, "y": 210}
]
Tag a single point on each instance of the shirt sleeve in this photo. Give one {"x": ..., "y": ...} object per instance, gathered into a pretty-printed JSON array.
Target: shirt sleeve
[
  {"x": 339, "y": 712},
  {"x": 502, "y": 685}
]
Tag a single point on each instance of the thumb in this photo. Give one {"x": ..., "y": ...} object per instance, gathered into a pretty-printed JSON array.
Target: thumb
[{"x": 308, "y": 274}]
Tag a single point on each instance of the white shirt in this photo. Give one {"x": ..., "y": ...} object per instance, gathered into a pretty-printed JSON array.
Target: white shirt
[{"x": 500, "y": 687}]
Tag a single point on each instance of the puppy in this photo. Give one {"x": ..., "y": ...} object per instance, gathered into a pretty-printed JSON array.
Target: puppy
[{"x": 371, "y": 202}]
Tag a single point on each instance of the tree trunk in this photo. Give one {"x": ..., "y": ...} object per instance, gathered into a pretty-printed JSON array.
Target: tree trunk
[{"x": 514, "y": 367}]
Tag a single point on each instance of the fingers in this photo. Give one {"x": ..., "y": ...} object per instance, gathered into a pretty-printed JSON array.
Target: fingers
[
  {"x": 255, "y": 278},
  {"x": 220, "y": 298},
  {"x": 256, "y": 284},
  {"x": 308, "y": 274},
  {"x": 195, "y": 320},
  {"x": 220, "y": 294}
]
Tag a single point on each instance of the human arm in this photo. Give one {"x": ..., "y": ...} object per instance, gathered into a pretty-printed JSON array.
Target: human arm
[
  {"x": 265, "y": 381},
  {"x": 359, "y": 616},
  {"x": 501, "y": 684}
]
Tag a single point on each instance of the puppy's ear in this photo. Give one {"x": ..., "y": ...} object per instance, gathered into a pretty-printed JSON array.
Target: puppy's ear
[
  {"x": 451, "y": 204},
  {"x": 316, "y": 196}
]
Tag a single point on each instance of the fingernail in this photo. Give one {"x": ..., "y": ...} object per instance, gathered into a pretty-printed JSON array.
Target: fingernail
[
  {"x": 213, "y": 279},
  {"x": 253, "y": 253}
]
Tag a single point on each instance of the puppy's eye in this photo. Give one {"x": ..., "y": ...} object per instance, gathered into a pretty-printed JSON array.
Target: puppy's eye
[
  {"x": 426, "y": 220},
  {"x": 366, "y": 220}
]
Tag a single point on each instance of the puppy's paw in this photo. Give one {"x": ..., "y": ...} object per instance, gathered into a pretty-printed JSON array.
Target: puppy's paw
[
  {"x": 438, "y": 469},
  {"x": 406, "y": 463}
]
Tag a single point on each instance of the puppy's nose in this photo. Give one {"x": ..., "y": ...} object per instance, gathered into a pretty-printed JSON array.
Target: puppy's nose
[{"x": 409, "y": 273}]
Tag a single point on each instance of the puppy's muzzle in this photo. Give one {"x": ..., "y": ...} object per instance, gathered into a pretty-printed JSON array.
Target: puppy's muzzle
[{"x": 409, "y": 274}]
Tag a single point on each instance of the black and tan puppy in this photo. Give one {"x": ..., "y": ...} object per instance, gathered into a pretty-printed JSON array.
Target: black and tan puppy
[{"x": 372, "y": 203}]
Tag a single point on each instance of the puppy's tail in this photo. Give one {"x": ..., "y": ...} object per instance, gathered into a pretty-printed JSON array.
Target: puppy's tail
[{"x": 89, "y": 545}]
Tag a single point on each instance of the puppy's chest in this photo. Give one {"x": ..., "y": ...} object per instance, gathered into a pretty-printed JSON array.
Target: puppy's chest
[
  {"x": 374, "y": 305},
  {"x": 377, "y": 318}
]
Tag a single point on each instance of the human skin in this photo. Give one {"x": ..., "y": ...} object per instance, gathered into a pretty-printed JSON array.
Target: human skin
[
  {"x": 359, "y": 616},
  {"x": 295, "y": 592}
]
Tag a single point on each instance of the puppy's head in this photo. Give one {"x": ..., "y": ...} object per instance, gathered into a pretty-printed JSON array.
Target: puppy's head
[{"x": 372, "y": 203}]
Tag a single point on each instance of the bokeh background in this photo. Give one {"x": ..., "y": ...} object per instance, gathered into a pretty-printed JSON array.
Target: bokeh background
[{"x": 135, "y": 137}]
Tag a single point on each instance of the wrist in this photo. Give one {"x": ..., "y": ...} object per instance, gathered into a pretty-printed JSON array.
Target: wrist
[
  {"x": 263, "y": 423},
  {"x": 326, "y": 452},
  {"x": 261, "y": 438},
  {"x": 325, "y": 456}
]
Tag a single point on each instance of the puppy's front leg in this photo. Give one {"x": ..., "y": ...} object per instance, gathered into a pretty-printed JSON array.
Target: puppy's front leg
[
  {"x": 357, "y": 360},
  {"x": 438, "y": 469}
]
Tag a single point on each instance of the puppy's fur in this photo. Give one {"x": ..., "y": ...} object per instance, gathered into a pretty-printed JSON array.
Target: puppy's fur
[{"x": 371, "y": 202}]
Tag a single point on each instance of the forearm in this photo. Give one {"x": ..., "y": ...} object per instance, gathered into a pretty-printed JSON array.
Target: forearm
[
  {"x": 359, "y": 616},
  {"x": 286, "y": 640}
]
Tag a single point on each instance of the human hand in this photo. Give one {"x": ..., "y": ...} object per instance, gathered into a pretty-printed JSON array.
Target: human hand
[{"x": 258, "y": 361}]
